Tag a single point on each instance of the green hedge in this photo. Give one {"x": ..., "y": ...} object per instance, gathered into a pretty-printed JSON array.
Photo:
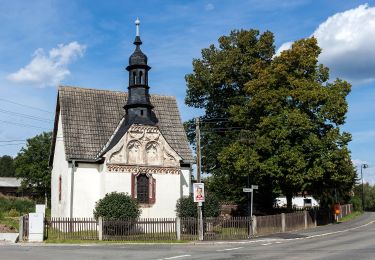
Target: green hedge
[{"x": 186, "y": 207}]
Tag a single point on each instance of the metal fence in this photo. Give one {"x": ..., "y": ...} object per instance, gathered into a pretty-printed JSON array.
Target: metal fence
[
  {"x": 71, "y": 228},
  {"x": 144, "y": 229},
  {"x": 171, "y": 229}
]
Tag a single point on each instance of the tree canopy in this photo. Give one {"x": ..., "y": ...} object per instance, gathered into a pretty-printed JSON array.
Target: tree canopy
[
  {"x": 31, "y": 164},
  {"x": 272, "y": 120},
  {"x": 6, "y": 166}
]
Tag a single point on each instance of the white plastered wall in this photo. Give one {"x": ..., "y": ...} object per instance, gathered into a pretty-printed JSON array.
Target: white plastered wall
[
  {"x": 86, "y": 189},
  {"x": 91, "y": 183},
  {"x": 60, "y": 168}
]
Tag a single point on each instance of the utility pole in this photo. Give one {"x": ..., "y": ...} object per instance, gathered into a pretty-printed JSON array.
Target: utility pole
[{"x": 198, "y": 153}]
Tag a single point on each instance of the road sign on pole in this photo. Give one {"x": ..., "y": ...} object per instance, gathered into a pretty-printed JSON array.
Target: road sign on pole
[
  {"x": 247, "y": 189},
  {"x": 254, "y": 187}
]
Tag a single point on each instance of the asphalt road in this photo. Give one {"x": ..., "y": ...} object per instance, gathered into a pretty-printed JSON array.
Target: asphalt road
[{"x": 351, "y": 240}]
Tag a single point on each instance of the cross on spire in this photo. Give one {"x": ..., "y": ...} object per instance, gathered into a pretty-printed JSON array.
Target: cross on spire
[{"x": 137, "y": 23}]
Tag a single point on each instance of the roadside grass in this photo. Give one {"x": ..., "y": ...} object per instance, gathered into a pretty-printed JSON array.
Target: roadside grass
[{"x": 351, "y": 216}]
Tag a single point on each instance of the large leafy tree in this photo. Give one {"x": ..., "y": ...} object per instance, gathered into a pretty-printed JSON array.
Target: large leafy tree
[
  {"x": 31, "y": 165},
  {"x": 6, "y": 166},
  {"x": 289, "y": 115},
  {"x": 216, "y": 84}
]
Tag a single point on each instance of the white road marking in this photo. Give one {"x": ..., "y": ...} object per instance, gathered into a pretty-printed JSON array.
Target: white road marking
[
  {"x": 278, "y": 242},
  {"x": 175, "y": 257},
  {"x": 229, "y": 249},
  {"x": 267, "y": 244}
]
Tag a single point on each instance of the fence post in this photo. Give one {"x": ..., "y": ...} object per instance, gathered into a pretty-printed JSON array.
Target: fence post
[
  {"x": 178, "y": 228},
  {"x": 20, "y": 236},
  {"x": 283, "y": 222},
  {"x": 100, "y": 228},
  {"x": 315, "y": 217},
  {"x": 254, "y": 225},
  {"x": 305, "y": 211}
]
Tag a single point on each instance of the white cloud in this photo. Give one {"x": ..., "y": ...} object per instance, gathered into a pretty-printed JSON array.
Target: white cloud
[
  {"x": 283, "y": 47},
  {"x": 347, "y": 40},
  {"x": 358, "y": 162},
  {"x": 209, "y": 7},
  {"x": 48, "y": 70}
]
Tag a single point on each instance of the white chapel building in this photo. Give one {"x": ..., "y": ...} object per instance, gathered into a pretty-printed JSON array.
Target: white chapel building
[{"x": 105, "y": 141}]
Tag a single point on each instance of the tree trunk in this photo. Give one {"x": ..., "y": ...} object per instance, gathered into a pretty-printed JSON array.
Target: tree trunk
[{"x": 289, "y": 204}]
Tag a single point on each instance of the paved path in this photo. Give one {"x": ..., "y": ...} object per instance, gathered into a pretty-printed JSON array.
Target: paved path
[{"x": 350, "y": 240}]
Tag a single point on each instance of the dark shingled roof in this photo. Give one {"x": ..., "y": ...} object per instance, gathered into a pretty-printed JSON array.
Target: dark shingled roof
[{"x": 90, "y": 117}]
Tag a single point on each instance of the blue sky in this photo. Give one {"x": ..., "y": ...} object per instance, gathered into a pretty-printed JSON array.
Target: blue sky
[{"x": 87, "y": 43}]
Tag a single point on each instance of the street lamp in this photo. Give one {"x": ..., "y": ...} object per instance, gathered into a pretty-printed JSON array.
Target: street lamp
[{"x": 363, "y": 166}]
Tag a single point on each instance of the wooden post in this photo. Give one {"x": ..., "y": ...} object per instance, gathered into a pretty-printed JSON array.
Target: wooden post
[
  {"x": 178, "y": 228},
  {"x": 283, "y": 222}
]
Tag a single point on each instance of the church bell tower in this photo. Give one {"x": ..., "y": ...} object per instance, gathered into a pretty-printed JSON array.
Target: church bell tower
[{"x": 138, "y": 107}]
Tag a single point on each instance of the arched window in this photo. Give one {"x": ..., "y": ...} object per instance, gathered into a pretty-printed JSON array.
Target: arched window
[
  {"x": 142, "y": 188},
  {"x": 60, "y": 188},
  {"x": 141, "y": 77},
  {"x": 134, "y": 78}
]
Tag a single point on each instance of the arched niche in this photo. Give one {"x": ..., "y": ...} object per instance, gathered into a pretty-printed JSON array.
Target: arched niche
[
  {"x": 134, "y": 152},
  {"x": 153, "y": 153}
]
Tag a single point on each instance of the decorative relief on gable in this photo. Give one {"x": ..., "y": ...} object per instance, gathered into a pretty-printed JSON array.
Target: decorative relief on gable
[
  {"x": 134, "y": 152},
  {"x": 153, "y": 154},
  {"x": 143, "y": 169},
  {"x": 117, "y": 156},
  {"x": 143, "y": 146}
]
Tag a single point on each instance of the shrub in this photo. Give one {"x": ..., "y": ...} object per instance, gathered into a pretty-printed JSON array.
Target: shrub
[
  {"x": 117, "y": 206},
  {"x": 186, "y": 207},
  {"x": 356, "y": 202},
  {"x": 21, "y": 205},
  {"x": 13, "y": 213}
]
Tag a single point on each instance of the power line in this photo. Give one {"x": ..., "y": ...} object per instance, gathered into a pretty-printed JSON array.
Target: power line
[
  {"x": 39, "y": 109},
  {"x": 11, "y": 144},
  {"x": 22, "y": 125},
  {"x": 26, "y": 116},
  {"x": 11, "y": 141}
]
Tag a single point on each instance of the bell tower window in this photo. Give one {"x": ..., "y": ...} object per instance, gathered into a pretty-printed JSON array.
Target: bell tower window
[
  {"x": 141, "y": 77},
  {"x": 134, "y": 78}
]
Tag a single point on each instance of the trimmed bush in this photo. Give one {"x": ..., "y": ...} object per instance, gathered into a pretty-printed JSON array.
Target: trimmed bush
[
  {"x": 117, "y": 206},
  {"x": 186, "y": 207}
]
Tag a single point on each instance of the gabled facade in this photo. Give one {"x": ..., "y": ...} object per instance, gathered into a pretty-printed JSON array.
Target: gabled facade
[{"x": 105, "y": 141}]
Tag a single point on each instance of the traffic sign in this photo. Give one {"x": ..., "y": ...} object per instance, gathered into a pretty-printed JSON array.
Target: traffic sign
[
  {"x": 254, "y": 187},
  {"x": 247, "y": 190}
]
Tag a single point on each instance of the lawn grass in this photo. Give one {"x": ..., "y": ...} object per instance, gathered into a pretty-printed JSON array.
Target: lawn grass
[
  {"x": 74, "y": 241},
  {"x": 351, "y": 216}
]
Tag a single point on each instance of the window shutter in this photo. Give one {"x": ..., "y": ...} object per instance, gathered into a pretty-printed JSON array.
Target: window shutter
[{"x": 152, "y": 190}]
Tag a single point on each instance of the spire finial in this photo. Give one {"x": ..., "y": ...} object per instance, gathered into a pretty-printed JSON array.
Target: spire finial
[{"x": 137, "y": 23}]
